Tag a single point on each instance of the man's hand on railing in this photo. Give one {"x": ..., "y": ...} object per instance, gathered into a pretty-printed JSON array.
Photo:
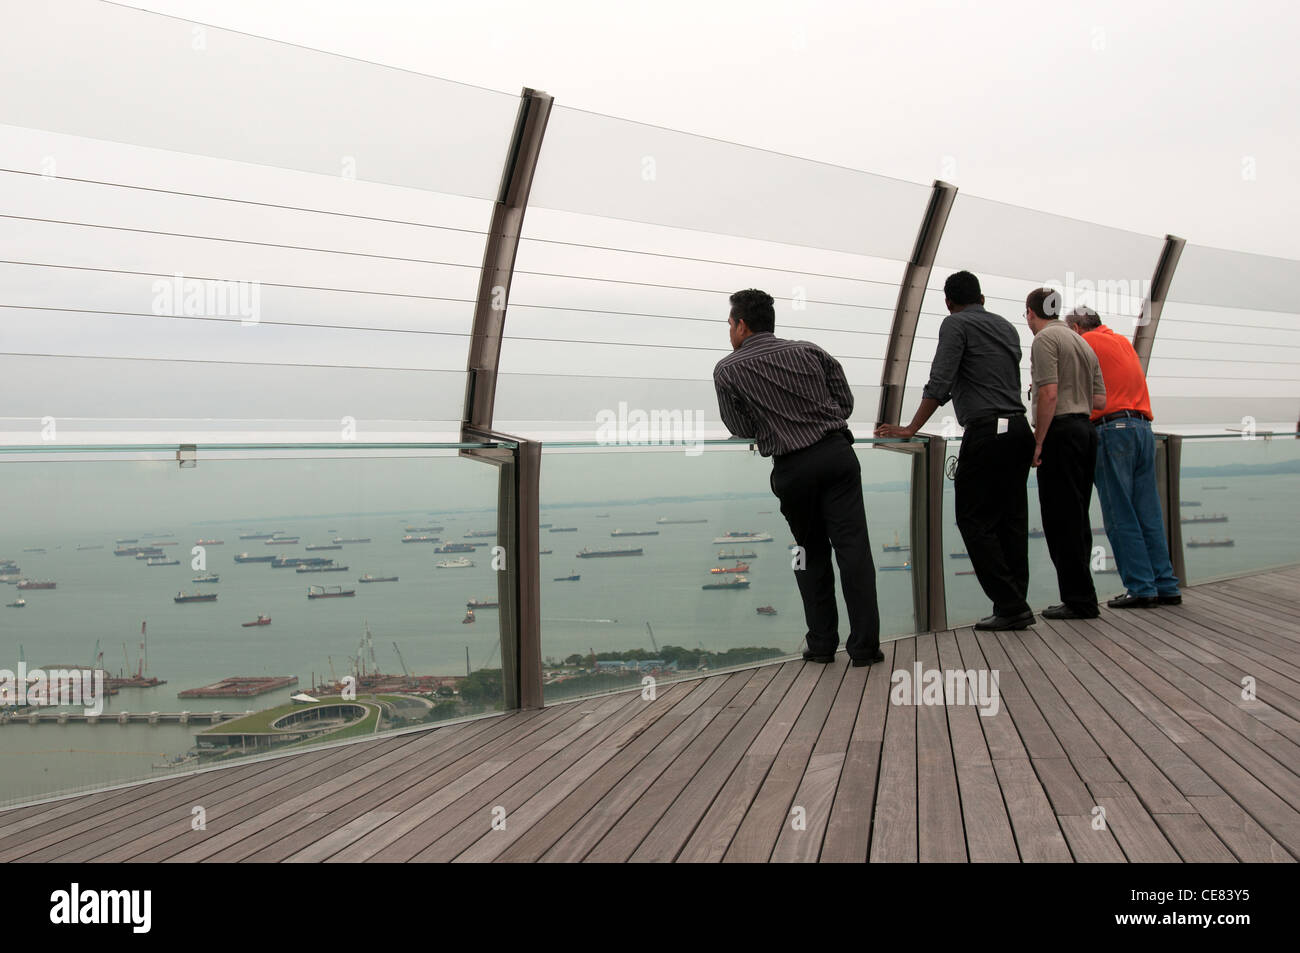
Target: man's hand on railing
[{"x": 893, "y": 430}]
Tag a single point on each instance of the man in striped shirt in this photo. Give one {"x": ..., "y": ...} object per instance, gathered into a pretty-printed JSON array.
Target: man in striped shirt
[{"x": 792, "y": 399}]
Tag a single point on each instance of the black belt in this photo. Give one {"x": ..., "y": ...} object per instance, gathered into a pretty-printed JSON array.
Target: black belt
[
  {"x": 981, "y": 421},
  {"x": 841, "y": 434},
  {"x": 1070, "y": 417},
  {"x": 1120, "y": 415}
]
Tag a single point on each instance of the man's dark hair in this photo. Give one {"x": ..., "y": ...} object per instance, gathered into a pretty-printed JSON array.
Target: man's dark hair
[
  {"x": 962, "y": 288},
  {"x": 755, "y": 308},
  {"x": 1044, "y": 303},
  {"x": 1083, "y": 318}
]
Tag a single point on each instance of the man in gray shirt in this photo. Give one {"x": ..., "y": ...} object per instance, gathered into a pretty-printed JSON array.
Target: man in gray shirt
[{"x": 977, "y": 366}]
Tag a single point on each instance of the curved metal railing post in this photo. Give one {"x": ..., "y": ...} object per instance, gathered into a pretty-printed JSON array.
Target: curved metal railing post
[
  {"x": 1144, "y": 334},
  {"x": 911, "y": 294}
]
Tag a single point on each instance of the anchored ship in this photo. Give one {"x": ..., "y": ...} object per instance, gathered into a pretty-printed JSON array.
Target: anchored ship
[
  {"x": 635, "y": 532},
  {"x": 369, "y": 578},
  {"x": 765, "y": 610},
  {"x": 211, "y": 577},
  {"x": 33, "y": 584},
  {"x": 1207, "y": 518},
  {"x": 323, "y": 546},
  {"x": 196, "y": 597},
  {"x": 482, "y": 604},
  {"x": 1198, "y": 543},
  {"x": 159, "y": 561},
  {"x": 455, "y": 548},
  {"x": 739, "y": 582},
  {"x": 355, "y": 539},
  {"x": 664, "y": 521},
  {"x": 247, "y": 558},
  {"x": 601, "y": 553},
  {"x": 461, "y": 563},
  {"x": 897, "y": 547},
  {"x": 574, "y": 577},
  {"x": 420, "y": 539},
  {"x": 743, "y": 538},
  {"x": 739, "y": 567},
  {"x": 905, "y": 567},
  {"x": 733, "y": 554},
  {"x": 331, "y": 592},
  {"x": 260, "y": 620}
]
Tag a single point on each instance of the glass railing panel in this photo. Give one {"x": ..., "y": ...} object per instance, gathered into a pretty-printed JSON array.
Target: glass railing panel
[
  {"x": 1238, "y": 510},
  {"x": 355, "y": 520},
  {"x": 647, "y": 613}
]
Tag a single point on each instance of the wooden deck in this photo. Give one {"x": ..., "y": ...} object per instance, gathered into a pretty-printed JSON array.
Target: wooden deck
[{"x": 1140, "y": 713}]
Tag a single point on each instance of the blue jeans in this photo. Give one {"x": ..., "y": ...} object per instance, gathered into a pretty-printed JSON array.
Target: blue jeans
[{"x": 1130, "y": 507}]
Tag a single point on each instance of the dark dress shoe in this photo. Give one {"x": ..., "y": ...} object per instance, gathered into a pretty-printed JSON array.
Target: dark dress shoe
[
  {"x": 1130, "y": 601},
  {"x": 868, "y": 660},
  {"x": 1063, "y": 611},
  {"x": 998, "y": 623},
  {"x": 823, "y": 657},
  {"x": 1175, "y": 600}
]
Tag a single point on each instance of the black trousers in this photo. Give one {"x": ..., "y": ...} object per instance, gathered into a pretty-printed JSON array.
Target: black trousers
[
  {"x": 820, "y": 489},
  {"x": 993, "y": 509},
  {"x": 1064, "y": 495}
]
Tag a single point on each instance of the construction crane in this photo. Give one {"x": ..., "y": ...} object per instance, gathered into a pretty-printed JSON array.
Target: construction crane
[
  {"x": 652, "y": 637},
  {"x": 144, "y": 651},
  {"x": 405, "y": 671},
  {"x": 333, "y": 674}
]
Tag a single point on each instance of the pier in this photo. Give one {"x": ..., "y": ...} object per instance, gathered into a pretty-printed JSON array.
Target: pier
[{"x": 45, "y": 716}]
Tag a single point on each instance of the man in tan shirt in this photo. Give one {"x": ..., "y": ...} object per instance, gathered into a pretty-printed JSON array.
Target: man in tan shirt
[{"x": 1067, "y": 386}]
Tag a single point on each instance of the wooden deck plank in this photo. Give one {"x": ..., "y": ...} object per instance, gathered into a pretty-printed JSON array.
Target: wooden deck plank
[
  {"x": 1090, "y": 845},
  {"x": 1194, "y": 840},
  {"x": 893, "y": 830},
  {"x": 1038, "y": 833},
  {"x": 941, "y": 829},
  {"x": 609, "y": 808},
  {"x": 627, "y": 834},
  {"x": 817, "y": 789},
  {"x": 1136, "y": 832},
  {"x": 712, "y": 836},
  {"x": 1239, "y": 831},
  {"x": 989, "y": 838},
  {"x": 666, "y": 839},
  {"x": 1035, "y": 734},
  {"x": 430, "y": 827},
  {"x": 848, "y": 828},
  {"x": 770, "y": 813},
  {"x": 549, "y": 813}
]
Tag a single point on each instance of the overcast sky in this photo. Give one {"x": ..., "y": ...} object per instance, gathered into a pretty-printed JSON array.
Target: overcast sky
[{"x": 1141, "y": 115}]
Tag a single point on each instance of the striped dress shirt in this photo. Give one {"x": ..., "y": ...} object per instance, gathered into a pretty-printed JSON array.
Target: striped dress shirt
[{"x": 784, "y": 395}]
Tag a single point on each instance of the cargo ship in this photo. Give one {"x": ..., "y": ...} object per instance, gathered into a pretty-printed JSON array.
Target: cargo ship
[
  {"x": 34, "y": 584},
  {"x": 159, "y": 561},
  {"x": 209, "y": 542},
  {"x": 292, "y": 562},
  {"x": 332, "y": 592},
  {"x": 211, "y": 577},
  {"x": 260, "y": 620},
  {"x": 959, "y": 555},
  {"x": 246, "y": 558},
  {"x": 456, "y": 548},
  {"x": 739, "y": 567},
  {"x": 732, "y": 554},
  {"x": 481, "y": 534},
  {"x": 124, "y": 541},
  {"x": 1199, "y": 543},
  {"x": 574, "y": 577},
  {"x": 563, "y": 529},
  {"x": 1190, "y": 503},
  {"x": 82, "y": 549},
  {"x": 137, "y": 551},
  {"x": 1036, "y": 533},
  {"x": 240, "y": 686},
  {"x": 635, "y": 532},
  {"x": 482, "y": 604},
  {"x": 34, "y": 549},
  {"x": 905, "y": 567},
  {"x": 545, "y": 552},
  {"x": 323, "y": 569},
  {"x": 739, "y": 582},
  {"x": 18, "y": 603},
  {"x": 602, "y": 553},
  {"x": 196, "y": 597},
  {"x": 423, "y": 529},
  {"x": 765, "y": 610},
  {"x": 1208, "y": 518},
  {"x": 323, "y": 546},
  {"x": 260, "y": 535},
  {"x": 282, "y": 541},
  {"x": 460, "y": 563},
  {"x": 420, "y": 539},
  {"x": 353, "y": 539},
  {"x": 664, "y": 521},
  {"x": 743, "y": 538},
  {"x": 897, "y": 547},
  {"x": 369, "y": 578}
]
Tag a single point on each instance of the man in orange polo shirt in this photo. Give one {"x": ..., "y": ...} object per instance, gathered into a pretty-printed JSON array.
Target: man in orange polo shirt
[{"x": 1126, "y": 470}]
